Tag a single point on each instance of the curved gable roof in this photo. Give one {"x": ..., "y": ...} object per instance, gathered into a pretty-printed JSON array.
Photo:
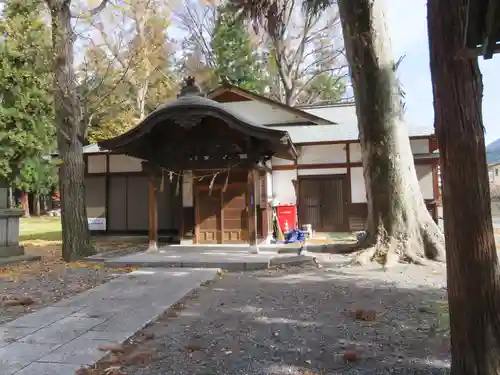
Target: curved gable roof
[{"x": 197, "y": 107}]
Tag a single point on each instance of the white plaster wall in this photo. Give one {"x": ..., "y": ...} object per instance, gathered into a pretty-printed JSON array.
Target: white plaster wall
[
  {"x": 261, "y": 113},
  {"x": 355, "y": 152},
  {"x": 279, "y": 161},
  {"x": 187, "y": 189},
  {"x": 321, "y": 171},
  {"x": 494, "y": 174},
  {"x": 322, "y": 154},
  {"x": 269, "y": 192},
  {"x": 258, "y": 189},
  {"x": 419, "y": 146},
  {"x": 424, "y": 174},
  {"x": 283, "y": 189},
  {"x": 425, "y": 180},
  {"x": 96, "y": 164},
  {"x": 124, "y": 163},
  {"x": 358, "y": 191}
]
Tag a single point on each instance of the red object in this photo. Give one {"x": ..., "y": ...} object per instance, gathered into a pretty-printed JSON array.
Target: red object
[
  {"x": 350, "y": 356},
  {"x": 287, "y": 217}
]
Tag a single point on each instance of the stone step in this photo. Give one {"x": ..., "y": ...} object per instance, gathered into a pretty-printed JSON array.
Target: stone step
[{"x": 229, "y": 259}]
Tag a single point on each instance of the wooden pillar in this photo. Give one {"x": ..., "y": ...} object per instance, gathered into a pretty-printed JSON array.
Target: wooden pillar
[
  {"x": 252, "y": 179},
  {"x": 263, "y": 204},
  {"x": 266, "y": 210},
  {"x": 152, "y": 213}
]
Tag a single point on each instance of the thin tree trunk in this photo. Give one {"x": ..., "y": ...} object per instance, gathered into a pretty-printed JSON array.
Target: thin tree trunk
[
  {"x": 141, "y": 99},
  {"x": 400, "y": 227},
  {"x": 44, "y": 204},
  {"x": 25, "y": 204},
  {"x": 473, "y": 283},
  {"x": 11, "y": 199},
  {"x": 75, "y": 232},
  {"x": 36, "y": 204}
]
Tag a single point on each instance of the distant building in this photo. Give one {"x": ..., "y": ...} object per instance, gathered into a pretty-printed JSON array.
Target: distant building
[{"x": 494, "y": 173}]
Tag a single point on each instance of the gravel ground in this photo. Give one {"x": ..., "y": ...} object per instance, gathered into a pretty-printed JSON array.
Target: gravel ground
[{"x": 301, "y": 321}]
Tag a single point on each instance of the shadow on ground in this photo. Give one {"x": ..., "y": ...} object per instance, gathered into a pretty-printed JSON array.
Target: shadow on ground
[{"x": 300, "y": 322}]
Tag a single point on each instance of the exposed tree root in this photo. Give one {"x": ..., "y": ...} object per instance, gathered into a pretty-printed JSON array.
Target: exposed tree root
[
  {"x": 419, "y": 247},
  {"x": 364, "y": 257}
]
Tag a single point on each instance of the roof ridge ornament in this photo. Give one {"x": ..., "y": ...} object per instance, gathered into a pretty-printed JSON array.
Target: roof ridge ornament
[{"x": 189, "y": 88}]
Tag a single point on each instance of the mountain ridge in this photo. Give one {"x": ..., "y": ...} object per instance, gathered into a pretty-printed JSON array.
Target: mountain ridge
[{"x": 493, "y": 152}]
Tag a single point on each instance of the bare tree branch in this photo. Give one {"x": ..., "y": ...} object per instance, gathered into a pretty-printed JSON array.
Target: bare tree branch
[{"x": 91, "y": 12}]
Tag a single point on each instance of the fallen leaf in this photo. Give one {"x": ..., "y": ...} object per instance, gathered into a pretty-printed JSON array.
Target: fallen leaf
[
  {"x": 350, "y": 356},
  {"x": 113, "y": 370},
  {"x": 364, "y": 315},
  {"x": 149, "y": 336},
  {"x": 16, "y": 301},
  {"x": 114, "y": 359},
  {"x": 143, "y": 358},
  {"x": 112, "y": 348},
  {"x": 86, "y": 371},
  {"x": 172, "y": 314},
  {"x": 194, "y": 345}
]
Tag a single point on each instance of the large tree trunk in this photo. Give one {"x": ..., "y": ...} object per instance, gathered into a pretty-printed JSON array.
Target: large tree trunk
[
  {"x": 400, "y": 227},
  {"x": 75, "y": 232},
  {"x": 473, "y": 284}
]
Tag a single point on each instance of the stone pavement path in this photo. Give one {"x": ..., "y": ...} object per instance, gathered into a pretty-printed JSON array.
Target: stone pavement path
[{"x": 60, "y": 339}]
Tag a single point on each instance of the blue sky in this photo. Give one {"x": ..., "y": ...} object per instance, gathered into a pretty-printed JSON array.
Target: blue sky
[{"x": 408, "y": 29}]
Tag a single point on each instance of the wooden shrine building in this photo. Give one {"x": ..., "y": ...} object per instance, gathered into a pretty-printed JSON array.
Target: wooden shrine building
[{"x": 226, "y": 157}]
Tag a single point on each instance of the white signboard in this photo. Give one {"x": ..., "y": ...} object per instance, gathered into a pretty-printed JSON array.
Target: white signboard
[
  {"x": 187, "y": 189},
  {"x": 97, "y": 223}
]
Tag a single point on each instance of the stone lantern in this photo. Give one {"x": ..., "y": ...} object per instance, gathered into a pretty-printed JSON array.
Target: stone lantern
[{"x": 9, "y": 226}]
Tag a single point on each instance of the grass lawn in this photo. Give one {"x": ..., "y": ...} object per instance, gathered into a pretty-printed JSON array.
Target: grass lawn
[
  {"x": 46, "y": 232},
  {"x": 42, "y": 236},
  {"x": 45, "y": 228}
]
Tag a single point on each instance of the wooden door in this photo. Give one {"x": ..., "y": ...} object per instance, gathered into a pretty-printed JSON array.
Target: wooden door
[
  {"x": 309, "y": 207},
  {"x": 234, "y": 214},
  {"x": 322, "y": 203},
  {"x": 208, "y": 216},
  {"x": 332, "y": 207}
]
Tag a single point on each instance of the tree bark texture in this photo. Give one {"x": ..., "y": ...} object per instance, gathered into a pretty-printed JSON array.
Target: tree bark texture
[
  {"x": 473, "y": 283},
  {"x": 75, "y": 232},
  {"x": 25, "y": 204},
  {"x": 399, "y": 227},
  {"x": 36, "y": 204}
]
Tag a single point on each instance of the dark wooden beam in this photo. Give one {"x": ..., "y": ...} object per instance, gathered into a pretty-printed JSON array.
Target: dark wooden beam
[
  {"x": 252, "y": 210},
  {"x": 491, "y": 28},
  {"x": 152, "y": 213},
  {"x": 482, "y": 31},
  {"x": 264, "y": 206},
  {"x": 182, "y": 161}
]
